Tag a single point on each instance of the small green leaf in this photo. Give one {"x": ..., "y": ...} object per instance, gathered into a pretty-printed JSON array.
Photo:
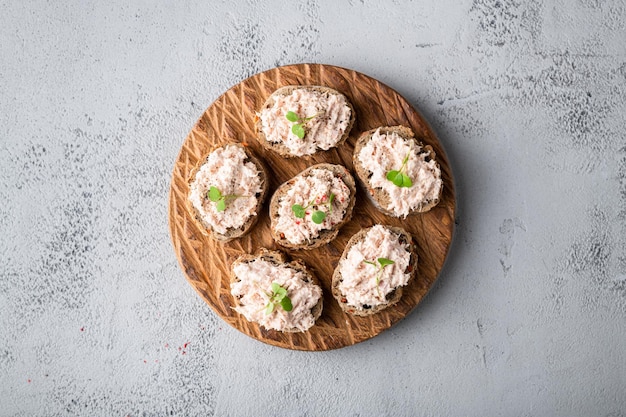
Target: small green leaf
[
  {"x": 331, "y": 198},
  {"x": 384, "y": 262},
  {"x": 214, "y": 194},
  {"x": 398, "y": 180},
  {"x": 318, "y": 217},
  {"x": 298, "y": 211},
  {"x": 298, "y": 130},
  {"x": 291, "y": 116},
  {"x": 285, "y": 303},
  {"x": 221, "y": 205},
  {"x": 406, "y": 181},
  {"x": 369, "y": 262},
  {"x": 398, "y": 177},
  {"x": 280, "y": 294},
  {"x": 392, "y": 174}
]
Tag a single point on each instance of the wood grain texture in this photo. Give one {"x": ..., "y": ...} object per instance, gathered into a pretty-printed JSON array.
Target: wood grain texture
[{"x": 206, "y": 263}]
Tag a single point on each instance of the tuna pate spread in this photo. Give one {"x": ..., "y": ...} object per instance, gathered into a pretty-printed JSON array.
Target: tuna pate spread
[
  {"x": 319, "y": 190},
  {"x": 238, "y": 182},
  {"x": 253, "y": 290},
  {"x": 385, "y": 152},
  {"x": 329, "y": 118},
  {"x": 364, "y": 281}
]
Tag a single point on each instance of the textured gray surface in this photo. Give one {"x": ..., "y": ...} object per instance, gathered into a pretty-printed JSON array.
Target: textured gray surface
[{"x": 528, "y": 316}]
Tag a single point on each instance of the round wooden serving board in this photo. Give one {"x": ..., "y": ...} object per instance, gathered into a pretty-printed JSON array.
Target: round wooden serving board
[{"x": 206, "y": 263}]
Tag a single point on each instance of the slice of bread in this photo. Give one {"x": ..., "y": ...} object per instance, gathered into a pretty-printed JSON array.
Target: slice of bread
[
  {"x": 279, "y": 259},
  {"x": 325, "y": 235},
  {"x": 380, "y": 197},
  {"x": 392, "y": 297},
  {"x": 231, "y": 233},
  {"x": 280, "y": 147}
]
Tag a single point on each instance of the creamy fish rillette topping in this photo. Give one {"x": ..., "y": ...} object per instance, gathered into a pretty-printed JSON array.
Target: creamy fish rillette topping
[
  {"x": 238, "y": 182},
  {"x": 320, "y": 191},
  {"x": 373, "y": 267},
  {"x": 385, "y": 152},
  {"x": 254, "y": 291},
  {"x": 324, "y": 118}
]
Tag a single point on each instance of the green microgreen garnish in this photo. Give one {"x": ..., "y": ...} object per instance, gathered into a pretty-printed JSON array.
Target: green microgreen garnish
[
  {"x": 278, "y": 296},
  {"x": 398, "y": 177},
  {"x": 215, "y": 195},
  {"x": 298, "y": 123},
  {"x": 379, "y": 264},
  {"x": 318, "y": 216}
]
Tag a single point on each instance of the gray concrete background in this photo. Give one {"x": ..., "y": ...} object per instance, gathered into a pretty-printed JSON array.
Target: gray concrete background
[{"x": 528, "y": 317}]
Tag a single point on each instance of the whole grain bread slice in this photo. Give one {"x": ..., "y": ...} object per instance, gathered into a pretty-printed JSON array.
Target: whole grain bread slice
[
  {"x": 378, "y": 196},
  {"x": 394, "y": 296},
  {"x": 278, "y": 258},
  {"x": 280, "y": 147},
  {"x": 231, "y": 233},
  {"x": 325, "y": 235}
]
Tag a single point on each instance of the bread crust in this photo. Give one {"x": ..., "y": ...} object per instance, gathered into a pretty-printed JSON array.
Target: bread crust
[
  {"x": 394, "y": 296},
  {"x": 280, "y": 147},
  {"x": 378, "y": 196},
  {"x": 279, "y": 258},
  {"x": 326, "y": 235},
  {"x": 232, "y": 233}
]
